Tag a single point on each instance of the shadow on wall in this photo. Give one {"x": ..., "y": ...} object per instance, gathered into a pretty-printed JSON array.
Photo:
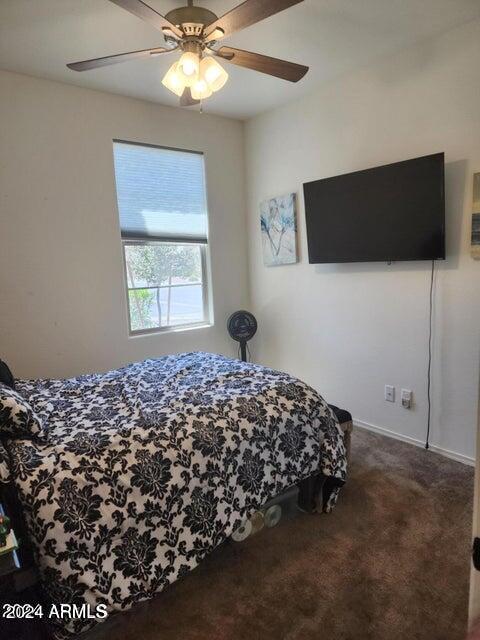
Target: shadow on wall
[
  {"x": 456, "y": 181},
  {"x": 455, "y": 186}
]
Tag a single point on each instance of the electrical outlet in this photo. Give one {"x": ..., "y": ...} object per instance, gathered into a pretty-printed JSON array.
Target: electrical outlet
[
  {"x": 389, "y": 393},
  {"x": 406, "y": 399}
]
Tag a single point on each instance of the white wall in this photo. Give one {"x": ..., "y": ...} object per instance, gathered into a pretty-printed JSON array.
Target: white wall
[
  {"x": 346, "y": 329},
  {"x": 350, "y": 329},
  {"x": 63, "y": 303}
]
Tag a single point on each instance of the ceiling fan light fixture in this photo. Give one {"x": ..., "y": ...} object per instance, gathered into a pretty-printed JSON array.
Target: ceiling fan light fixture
[
  {"x": 213, "y": 73},
  {"x": 194, "y": 31},
  {"x": 174, "y": 81},
  {"x": 201, "y": 89}
]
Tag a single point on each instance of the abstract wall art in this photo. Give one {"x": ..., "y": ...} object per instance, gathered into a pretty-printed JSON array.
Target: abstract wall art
[{"x": 279, "y": 230}]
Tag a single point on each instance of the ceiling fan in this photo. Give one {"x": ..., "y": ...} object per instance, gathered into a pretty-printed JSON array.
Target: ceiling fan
[{"x": 195, "y": 32}]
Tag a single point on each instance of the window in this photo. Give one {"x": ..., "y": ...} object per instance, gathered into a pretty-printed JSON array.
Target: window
[{"x": 163, "y": 221}]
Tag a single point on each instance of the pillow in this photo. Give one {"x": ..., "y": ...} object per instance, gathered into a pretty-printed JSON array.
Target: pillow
[
  {"x": 6, "y": 376},
  {"x": 17, "y": 418}
]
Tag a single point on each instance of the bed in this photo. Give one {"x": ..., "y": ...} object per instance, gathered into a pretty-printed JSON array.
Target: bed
[{"x": 133, "y": 476}]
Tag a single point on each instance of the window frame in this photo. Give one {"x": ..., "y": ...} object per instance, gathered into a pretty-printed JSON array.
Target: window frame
[
  {"x": 203, "y": 245},
  {"x": 206, "y": 322}
]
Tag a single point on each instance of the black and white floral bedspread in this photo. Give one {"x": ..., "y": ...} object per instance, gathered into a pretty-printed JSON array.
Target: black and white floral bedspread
[{"x": 145, "y": 470}]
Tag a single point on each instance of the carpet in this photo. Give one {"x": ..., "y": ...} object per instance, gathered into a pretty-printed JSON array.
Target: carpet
[{"x": 391, "y": 562}]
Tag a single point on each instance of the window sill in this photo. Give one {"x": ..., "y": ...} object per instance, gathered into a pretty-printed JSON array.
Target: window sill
[{"x": 163, "y": 330}]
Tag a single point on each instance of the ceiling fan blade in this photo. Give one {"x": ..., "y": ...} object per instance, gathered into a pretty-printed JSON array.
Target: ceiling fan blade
[
  {"x": 247, "y": 13},
  {"x": 143, "y": 11},
  {"x": 95, "y": 63},
  {"x": 272, "y": 66},
  {"x": 186, "y": 99}
]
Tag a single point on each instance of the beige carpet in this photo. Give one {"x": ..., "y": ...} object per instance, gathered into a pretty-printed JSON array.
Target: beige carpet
[{"x": 391, "y": 562}]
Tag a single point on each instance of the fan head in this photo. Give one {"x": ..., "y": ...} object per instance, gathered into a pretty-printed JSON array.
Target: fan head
[
  {"x": 242, "y": 326},
  {"x": 191, "y": 19}
]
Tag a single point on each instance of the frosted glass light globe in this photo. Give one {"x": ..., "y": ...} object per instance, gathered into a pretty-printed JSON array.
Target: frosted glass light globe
[
  {"x": 173, "y": 80},
  {"x": 213, "y": 73},
  {"x": 201, "y": 90},
  {"x": 188, "y": 67}
]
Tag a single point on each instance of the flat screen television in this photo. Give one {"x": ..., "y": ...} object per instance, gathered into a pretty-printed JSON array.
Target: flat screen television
[{"x": 385, "y": 214}]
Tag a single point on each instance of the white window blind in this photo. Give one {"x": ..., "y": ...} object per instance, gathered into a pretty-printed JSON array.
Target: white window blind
[{"x": 160, "y": 193}]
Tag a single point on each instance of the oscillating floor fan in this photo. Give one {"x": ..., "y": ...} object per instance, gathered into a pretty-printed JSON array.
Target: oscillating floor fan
[{"x": 242, "y": 326}]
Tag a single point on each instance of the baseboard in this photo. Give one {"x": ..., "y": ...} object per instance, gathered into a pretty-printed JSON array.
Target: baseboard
[{"x": 417, "y": 443}]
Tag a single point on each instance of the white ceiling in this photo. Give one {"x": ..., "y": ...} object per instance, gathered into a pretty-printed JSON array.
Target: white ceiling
[{"x": 38, "y": 37}]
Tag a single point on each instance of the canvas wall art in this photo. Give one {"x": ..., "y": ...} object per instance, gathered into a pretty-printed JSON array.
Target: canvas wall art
[
  {"x": 279, "y": 230},
  {"x": 476, "y": 218}
]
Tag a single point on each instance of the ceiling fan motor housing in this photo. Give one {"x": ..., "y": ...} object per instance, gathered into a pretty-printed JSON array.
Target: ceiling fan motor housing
[{"x": 191, "y": 19}]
